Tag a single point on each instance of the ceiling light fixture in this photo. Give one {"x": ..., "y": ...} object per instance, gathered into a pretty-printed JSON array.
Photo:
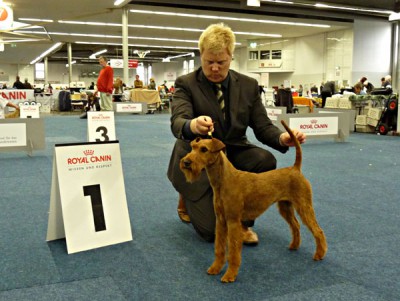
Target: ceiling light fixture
[
  {"x": 36, "y": 20},
  {"x": 121, "y": 2},
  {"x": 73, "y": 62},
  {"x": 321, "y": 5},
  {"x": 168, "y": 59},
  {"x": 138, "y": 45},
  {"x": 140, "y": 53},
  {"x": 93, "y": 56},
  {"x": 48, "y": 51},
  {"x": 253, "y": 3},
  {"x": 228, "y": 18},
  {"x": 163, "y": 28}
]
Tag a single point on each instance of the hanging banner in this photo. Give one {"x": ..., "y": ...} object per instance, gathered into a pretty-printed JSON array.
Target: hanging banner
[{"x": 6, "y": 16}]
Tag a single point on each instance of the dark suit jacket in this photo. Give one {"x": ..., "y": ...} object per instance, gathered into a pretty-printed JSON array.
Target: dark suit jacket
[{"x": 194, "y": 96}]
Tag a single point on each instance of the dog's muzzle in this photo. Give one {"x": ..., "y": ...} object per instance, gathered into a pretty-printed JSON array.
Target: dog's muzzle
[{"x": 186, "y": 164}]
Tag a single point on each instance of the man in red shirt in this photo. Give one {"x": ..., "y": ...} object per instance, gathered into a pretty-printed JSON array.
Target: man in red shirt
[{"x": 105, "y": 85}]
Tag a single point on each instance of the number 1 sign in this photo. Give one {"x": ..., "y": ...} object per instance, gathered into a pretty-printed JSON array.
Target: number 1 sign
[{"x": 88, "y": 202}]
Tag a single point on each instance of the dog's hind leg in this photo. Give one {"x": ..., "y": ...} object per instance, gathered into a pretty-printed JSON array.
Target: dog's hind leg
[
  {"x": 287, "y": 212},
  {"x": 219, "y": 247},
  {"x": 307, "y": 215}
]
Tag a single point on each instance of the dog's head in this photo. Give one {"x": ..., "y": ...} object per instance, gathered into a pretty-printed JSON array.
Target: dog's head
[{"x": 204, "y": 153}]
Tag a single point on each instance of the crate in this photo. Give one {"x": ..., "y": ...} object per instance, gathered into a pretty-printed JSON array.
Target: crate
[
  {"x": 345, "y": 103},
  {"x": 361, "y": 120},
  {"x": 75, "y": 96},
  {"x": 375, "y": 113},
  {"x": 331, "y": 103},
  {"x": 365, "y": 128},
  {"x": 372, "y": 121}
]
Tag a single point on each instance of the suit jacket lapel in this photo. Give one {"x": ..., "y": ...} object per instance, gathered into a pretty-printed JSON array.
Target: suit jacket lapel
[{"x": 234, "y": 92}]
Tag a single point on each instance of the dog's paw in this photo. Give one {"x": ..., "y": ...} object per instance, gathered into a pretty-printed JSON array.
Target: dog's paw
[
  {"x": 228, "y": 277},
  {"x": 214, "y": 270}
]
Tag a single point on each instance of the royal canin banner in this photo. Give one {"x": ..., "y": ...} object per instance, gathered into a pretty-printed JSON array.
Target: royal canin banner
[
  {"x": 314, "y": 126},
  {"x": 17, "y": 96}
]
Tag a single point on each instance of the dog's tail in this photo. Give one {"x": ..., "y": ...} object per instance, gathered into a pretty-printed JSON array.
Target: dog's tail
[{"x": 297, "y": 162}]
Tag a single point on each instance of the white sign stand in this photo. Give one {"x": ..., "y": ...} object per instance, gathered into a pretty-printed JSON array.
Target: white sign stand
[
  {"x": 29, "y": 111},
  {"x": 88, "y": 202},
  {"x": 101, "y": 126}
]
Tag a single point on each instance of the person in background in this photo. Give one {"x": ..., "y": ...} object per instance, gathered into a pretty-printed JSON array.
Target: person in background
[
  {"x": 91, "y": 87},
  {"x": 367, "y": 85},
  {"x": 5, "y": 103},
  {"x": 105, "y": 85},
  {"x": 196, "y": 111},
  {"x": 18, "y": 84},
  {"x": 359, "y": 89},
  {"x": 152, "y": 85},
  {"x": 27, "y": 85},
  {"x": 118, "y": 86},
  {"x": 50, "y": 89},
  {"x": 388, "y": 82},
  {"x": 4, "y": 86},
  {"x": 300, "y": 90},
  {"x": 327, "y": 91},
  {"x": 137, "y": 83}
]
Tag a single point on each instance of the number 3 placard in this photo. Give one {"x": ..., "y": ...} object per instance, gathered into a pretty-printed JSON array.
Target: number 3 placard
[
  {"x": 88, "y": 202},
  {"x": 101, "y": 126}
]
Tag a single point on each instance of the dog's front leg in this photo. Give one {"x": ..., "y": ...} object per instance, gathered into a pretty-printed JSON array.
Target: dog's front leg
[
  {"x": 235, "y": 242},
  {"x": 219, "y": 247}
]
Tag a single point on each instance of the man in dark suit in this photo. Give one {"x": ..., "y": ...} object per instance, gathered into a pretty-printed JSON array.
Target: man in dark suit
[{"x": 196, "y": 112}]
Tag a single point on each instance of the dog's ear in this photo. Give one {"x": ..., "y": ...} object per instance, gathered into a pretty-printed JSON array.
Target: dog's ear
[{"x": 217, "y": 145}]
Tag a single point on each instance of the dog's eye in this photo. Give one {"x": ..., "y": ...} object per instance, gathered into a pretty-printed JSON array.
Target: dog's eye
[
  {"x": 203, "y": 149},
  {"x": 198, "y": 139}
]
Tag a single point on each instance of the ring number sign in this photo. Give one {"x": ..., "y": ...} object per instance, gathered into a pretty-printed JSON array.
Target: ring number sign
[
  {"x": 88, "y": 202},
  {"x": 101, "y": 126}
]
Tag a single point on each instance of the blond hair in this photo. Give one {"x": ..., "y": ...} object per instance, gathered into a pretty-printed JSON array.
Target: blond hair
[{"x": 216, "y": 38}]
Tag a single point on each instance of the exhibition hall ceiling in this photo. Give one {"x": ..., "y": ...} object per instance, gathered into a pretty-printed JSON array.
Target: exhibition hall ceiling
[{"x": 165, "y": 29}]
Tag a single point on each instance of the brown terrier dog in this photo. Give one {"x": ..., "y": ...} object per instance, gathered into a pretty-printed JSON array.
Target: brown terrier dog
[{"x": 241, "y": 196}]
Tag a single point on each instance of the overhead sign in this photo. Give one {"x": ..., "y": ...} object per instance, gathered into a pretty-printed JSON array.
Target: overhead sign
[
  {"x": 88, "y": 201},
  {"x": 6, "y": 16},
  {"x": 119, "y": 63}
]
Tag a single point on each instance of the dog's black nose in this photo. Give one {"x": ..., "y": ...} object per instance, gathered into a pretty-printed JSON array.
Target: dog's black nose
[{"x": 186, "y": 163}]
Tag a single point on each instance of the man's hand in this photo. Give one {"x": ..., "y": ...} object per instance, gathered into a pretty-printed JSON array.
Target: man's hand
[
  {"x": 285, "y": 139},
  {"x": 202, "y": 125}
]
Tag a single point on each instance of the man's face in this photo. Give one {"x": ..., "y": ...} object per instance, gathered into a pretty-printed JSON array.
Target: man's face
[
  {"x": 215, "y": 65},
  {"x": 102, "y": 62}
]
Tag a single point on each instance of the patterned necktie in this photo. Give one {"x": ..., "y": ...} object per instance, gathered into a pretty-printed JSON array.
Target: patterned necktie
[{"x": 220, "y": 97}]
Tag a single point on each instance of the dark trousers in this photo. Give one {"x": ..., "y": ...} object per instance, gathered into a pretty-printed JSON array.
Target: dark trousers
[
  {"x": 324, "y": 96},
  {"x": 201, "y": 212}
]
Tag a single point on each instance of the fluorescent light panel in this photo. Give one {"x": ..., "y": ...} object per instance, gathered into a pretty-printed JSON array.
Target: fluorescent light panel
[
  {"x": 173, "y": 14},
  {"x": 48, "y": 51},
  {"x": 164, "y": 28}
]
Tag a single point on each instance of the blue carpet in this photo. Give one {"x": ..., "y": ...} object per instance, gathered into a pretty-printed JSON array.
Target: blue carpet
[{"x": 356, "y": 192}]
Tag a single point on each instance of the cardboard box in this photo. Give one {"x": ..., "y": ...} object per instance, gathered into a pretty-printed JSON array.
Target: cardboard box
[
  {"x": 331, "y": 102},
  {"x": 365, "y": 128},
  {"x": 372, "y": 121},
  {"x": 375, "y": 113},
  {"x": 361, "y": 120}
]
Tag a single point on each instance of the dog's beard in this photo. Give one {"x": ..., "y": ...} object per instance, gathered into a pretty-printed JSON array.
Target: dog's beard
[{"x": 192, "y": 173}]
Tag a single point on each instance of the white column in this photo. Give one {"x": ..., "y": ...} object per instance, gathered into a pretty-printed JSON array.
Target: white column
[
  {"x": 125, "y": 53},
  {"x": 69, "y": 63}
]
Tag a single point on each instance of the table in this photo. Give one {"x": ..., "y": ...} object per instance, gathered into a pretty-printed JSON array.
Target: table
[
  {"x": 147, "y": 96},
  {"x": 304, "y": 101}
]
